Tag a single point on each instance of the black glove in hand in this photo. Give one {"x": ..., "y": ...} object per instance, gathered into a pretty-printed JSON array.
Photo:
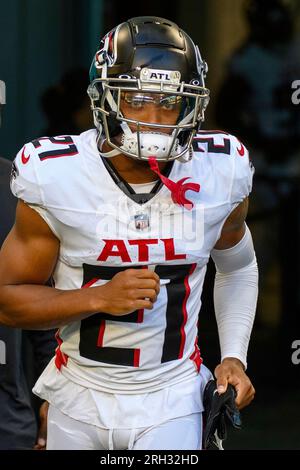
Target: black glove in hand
[{"x": 219, "y": 412}]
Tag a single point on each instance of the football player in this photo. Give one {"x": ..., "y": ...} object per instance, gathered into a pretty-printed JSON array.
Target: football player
[{"x": 125, "y": 217}]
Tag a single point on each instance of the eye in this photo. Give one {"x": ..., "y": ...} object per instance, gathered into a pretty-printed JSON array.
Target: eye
[
  {"x": 136, "y": 104},
  {"x": 134, "y": 101},
  {"x": 170, "y": 103},
  {"x": 168, "y": 106}
]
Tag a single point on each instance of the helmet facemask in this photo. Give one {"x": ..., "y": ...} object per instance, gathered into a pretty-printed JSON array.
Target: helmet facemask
[{"x": 137, "y": 138}]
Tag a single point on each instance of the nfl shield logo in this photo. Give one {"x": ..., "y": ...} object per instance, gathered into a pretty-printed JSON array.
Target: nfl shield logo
[{"x": 141, "y": 221}]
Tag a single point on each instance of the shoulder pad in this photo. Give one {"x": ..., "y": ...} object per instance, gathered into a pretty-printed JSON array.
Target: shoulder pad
[
  {"x": 39, "y": 165},
  {"x": 24, "y": 182},
  {"x": 229, "y": 161},
  {"x": 243, "y": 172}
]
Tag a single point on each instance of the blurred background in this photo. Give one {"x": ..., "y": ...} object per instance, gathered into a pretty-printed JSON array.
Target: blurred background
[{"x": 253, "y": 52}]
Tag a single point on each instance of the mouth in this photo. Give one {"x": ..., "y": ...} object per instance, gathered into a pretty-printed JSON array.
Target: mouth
[{"x": 150, "y": 130}]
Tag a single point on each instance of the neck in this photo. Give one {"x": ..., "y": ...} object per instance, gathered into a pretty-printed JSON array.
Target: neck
[{"x": 132, "y": 170}]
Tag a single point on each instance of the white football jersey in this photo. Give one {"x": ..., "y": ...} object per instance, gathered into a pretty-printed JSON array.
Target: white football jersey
[{"x": 103, "y": 231}]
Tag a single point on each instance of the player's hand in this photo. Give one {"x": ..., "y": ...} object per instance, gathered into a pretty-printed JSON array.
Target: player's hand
[
  {"x": 130, "y": 290},
  {"x": 231, "y": 370},
  {"x": 42, "y": 434}
]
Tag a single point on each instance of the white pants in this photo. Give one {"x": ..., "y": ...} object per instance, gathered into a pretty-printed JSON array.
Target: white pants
[{"x": 65, "y": 433}]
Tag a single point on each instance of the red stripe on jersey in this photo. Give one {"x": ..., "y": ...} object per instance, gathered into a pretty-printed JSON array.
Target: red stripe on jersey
[
  {"x": 101, "y": 334},
  {"x": 184, "y": 310},
  {"x": 196, "y": 356},
  {"x": 140, "y": 316},
  {"x": 136, "y": 360},
  {"x": 61, "y": 359},
  {"x": 91, "y": 282}
]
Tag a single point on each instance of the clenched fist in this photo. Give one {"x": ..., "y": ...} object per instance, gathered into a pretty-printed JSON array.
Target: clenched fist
[{"x": 128, "y": 290}]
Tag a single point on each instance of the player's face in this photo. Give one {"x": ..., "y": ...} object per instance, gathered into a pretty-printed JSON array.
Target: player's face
[{"x": 152, "y": 108}]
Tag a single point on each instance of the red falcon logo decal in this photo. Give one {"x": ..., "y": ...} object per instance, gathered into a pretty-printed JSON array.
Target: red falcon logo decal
[
  {"x": 24, "y": 158},
  {"x": 178, "y": 188},
  {"x": 241, "y": 151}
]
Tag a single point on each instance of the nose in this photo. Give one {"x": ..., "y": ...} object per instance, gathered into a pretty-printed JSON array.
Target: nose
[{"x": 152, "y": 114}]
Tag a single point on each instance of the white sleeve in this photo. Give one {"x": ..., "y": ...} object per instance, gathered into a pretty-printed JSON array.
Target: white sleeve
[{"x": 235, "y": 297}]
